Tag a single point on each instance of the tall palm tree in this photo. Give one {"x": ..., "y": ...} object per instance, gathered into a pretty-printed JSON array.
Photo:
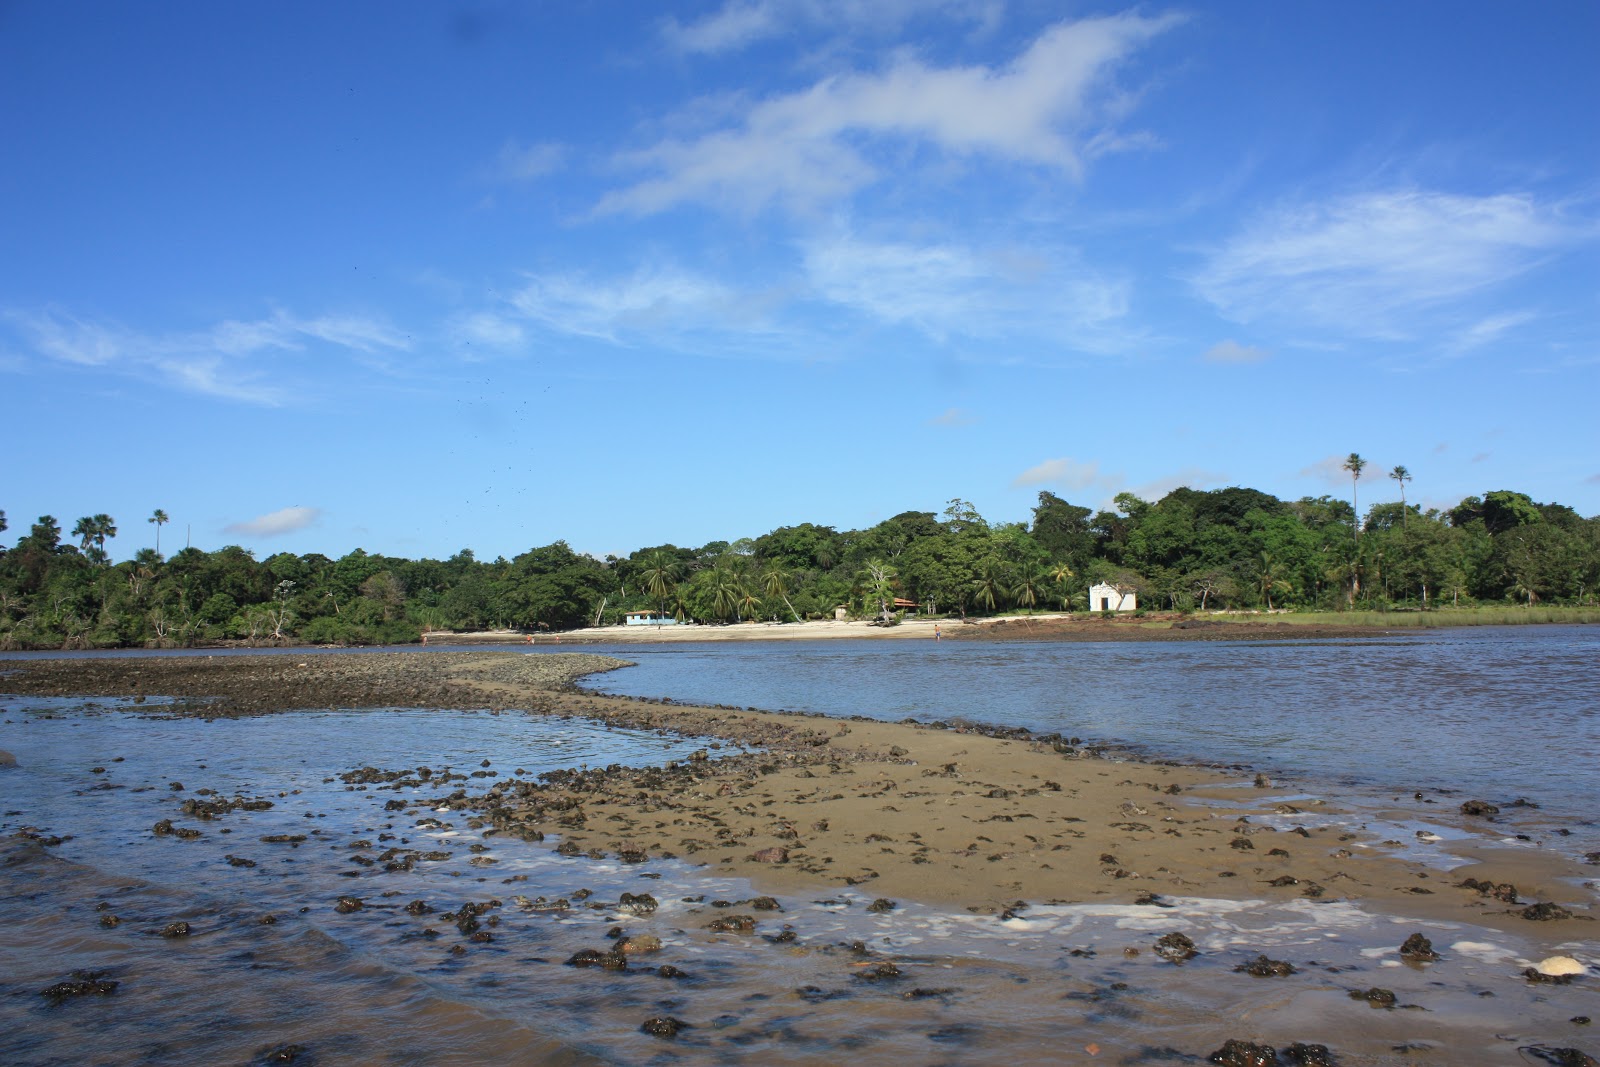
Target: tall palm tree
[
  {"x": 160, "y": 519},
  {"x": 95, "y": 529},
  {"x": 1059, "y": 574},
  {"x": 723, "y": 586},
  {"x": 1401, "y": 475},
  {"x": 749, "y": 604},
  {"x": 775, "y": 582},
  {"x": 1355, "y": 465}
]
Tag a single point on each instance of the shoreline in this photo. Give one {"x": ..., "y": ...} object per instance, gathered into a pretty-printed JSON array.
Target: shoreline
[{"x": 965, "y": 816}]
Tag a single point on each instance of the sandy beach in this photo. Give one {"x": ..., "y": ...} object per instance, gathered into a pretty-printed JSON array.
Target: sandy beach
[
  {"x": 956, "y": 816},
  {"x": 1043, "y": 626}
]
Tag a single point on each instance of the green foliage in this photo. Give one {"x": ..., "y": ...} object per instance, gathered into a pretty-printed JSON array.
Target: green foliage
[{"x": 1502, "y": 556}]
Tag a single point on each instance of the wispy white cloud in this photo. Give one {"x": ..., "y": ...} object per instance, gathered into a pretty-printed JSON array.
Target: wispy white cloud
[
  {"x": 1188, "y": 477},
  {"x": 1231, "y": 351},
  {"x": 953, "y": 418},
  {"x": 1329, "y": 470},
  {"x": 654, "y": 304},
  {"x": 489, "y": 329},
  {"x": 223, "y": 360},
  {"x": 948, "y": 289},
  {"x": 1053, "y": 106},
  {"x": 275, "y": 523},
  {"x": 1364, "y": 265},
  {"x": 1486, "y": 331},
  {"x": 738, "y": 24},
  {"x": 521, "y": 163},
  {"x": 1063, "y": 471}
]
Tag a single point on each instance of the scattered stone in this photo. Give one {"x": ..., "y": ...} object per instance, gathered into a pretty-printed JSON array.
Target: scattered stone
[
  {"x": 741, "y": 924},
  {"x": 419, "y": 907},
  {"x": 1544, "y": 911},
  {"x": 663, "y": 1026},
  {"x": 634, "y": 903},
  {"x": 611, "y": 961},
  {"x": 770, "y": 855},
  {"x": 635, "y": 944},
  {"x": 346, "y": 905},
  {"x": 1479, "y": 807},
  {"x": 1176, "y": 948},
  {"x": 1305, "y": 1055},
  {"x": 881, "y": 904},
  {"x": 1236, "y": 1053},
  {"x": 1419, "y": 949},
  {"x": 81, "y": 984},
  {"x": 667, "y": 970},
  {"x": 177, "y": 929},
  {"x": 1378, "y": 998},
  {"x": 766, "y": 904},
  {"x": 1262, "y": 967},
  {"x": 878, "y": 972}
]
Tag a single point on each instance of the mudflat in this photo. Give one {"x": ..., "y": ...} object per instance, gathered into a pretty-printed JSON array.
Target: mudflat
[{"x": 947, "y": 813}]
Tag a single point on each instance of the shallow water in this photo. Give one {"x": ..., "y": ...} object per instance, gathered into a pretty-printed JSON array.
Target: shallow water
[
  {"x": 1496, "y": 713},
  {"x": 374, "y": 986}
]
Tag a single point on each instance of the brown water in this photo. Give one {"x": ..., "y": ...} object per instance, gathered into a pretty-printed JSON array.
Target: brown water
[{"x": 381, "y": 985}]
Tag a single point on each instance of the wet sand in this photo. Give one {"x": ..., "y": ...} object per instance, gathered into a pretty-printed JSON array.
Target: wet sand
[{"x": 961, "y": 816}]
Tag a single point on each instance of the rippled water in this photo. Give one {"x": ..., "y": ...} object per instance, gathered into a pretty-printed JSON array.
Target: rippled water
[
  {"x": 1501, "y": 712},
  {"x": 380, "y": 985}
]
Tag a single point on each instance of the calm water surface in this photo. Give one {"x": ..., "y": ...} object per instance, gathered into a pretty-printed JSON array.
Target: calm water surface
[{"x": 1501, "y": 712}]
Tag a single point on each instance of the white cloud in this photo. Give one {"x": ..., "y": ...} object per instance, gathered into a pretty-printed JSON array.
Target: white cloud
[
  {"x": 953, "y": 418},
  {"x": 1486, "y": 331},
  {"x": 652, "y": 303},
  {"x": 1367, "y": 263},
  {"x": 1330, "y": 470},
  {"x": 950, "y": 289},
  {"x": 275, "y": 523},
  {"x": 521, "y": 163},
  {"x": 738, "y": 24},
  {"x": 491, "y": 330},
  {"x": 222, "y": 360},
  {"x": 1066, "y": 472},
  {"x": 1231, "y": 351},
  {"x": 1051, "y": 107}
]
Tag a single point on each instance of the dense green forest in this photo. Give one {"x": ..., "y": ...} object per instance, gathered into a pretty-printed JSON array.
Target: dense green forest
[{"x": 1192, "y": 550}]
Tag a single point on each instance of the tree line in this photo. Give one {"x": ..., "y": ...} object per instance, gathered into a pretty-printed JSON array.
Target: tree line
[{"x": 1193, "y": 550}]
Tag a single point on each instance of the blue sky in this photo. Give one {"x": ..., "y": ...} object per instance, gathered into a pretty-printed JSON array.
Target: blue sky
[{"x": 415, "y": 277}]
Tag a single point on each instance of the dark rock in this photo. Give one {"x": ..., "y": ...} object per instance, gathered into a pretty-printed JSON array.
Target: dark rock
[
  {"x": 765, "y": 904},
  {"x": 1561, "y": 1057},
  {"x": 1378, "y": 998},
  {"x": 109, "y": 921},
  {"x": 1236, "y": 1053},
  {"x": 419, "y": 907},
  {"x": 346, "y": 905},
  {"x": 1418, "y": 948},
  {"x": 638, "y": 903},
  {"x": 611, "y": 961},
  {"x": 1176, "y": 948},
  {"x": 1504, "y": 891},
  {"x": 1544, "y": 911},
  {"x": 1479, "y": 807},
  {"x": 81, "y": 984},
  {"x": 667, "y": 970},
  {"x": 1308, "y": 1055},
  {"x": 878, "y": 972},
  {"x": 663, "y": 1026},
  {"x": 775, "y": 854},
  {"x": 881, "y": 904},
  {"x": 239, "y": 861},
  {"x": 1533, "y": 974},
  {"x": 177, "y": 929},
  {"x": 741, "y": 924},
  {"x": 1262, "y": 967}
]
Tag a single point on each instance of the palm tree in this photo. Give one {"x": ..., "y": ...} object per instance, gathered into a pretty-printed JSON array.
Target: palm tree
[
  {"x": 1059, "y": 573},
  {"x": 1401, "y": 475},
  {"x": 749, "y": 603},
  {"x": 1030, "y": 578},
  {"x": 160, "y": 519},
  {"x": 723, "y": 586},
  {"x": 1355, "y": 465},
  {"x": 989, "y": 582},
  {"x": 660, "y": 570},
  {"x": 95, "y": 529},
  {"x": 775, "y": 581},
  {"x": 1270, "y": 578}
]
